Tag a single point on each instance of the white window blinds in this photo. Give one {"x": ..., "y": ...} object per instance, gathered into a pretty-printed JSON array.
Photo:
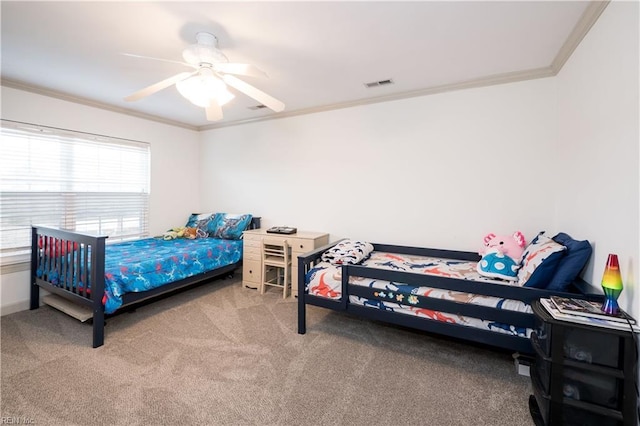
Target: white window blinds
[{"x": 71, "y": 180}]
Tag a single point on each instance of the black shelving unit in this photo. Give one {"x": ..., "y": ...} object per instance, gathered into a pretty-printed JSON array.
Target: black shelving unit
[{"x": 582, "y": 374}]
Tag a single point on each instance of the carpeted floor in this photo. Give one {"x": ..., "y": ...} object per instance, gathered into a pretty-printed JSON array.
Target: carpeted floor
[{"x": 219, "y": 354}]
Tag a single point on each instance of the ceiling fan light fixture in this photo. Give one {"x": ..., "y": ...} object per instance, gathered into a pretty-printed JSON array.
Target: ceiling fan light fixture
[
  {"x": 205, "y": 51},
  {"x": 207, "y": 86},
  {"x": 200, "y": 89}
]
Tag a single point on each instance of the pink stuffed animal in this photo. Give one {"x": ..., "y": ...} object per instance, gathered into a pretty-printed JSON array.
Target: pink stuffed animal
[
  {"x": 501, "y": 256},
  {"x": 512, "y": 246}
]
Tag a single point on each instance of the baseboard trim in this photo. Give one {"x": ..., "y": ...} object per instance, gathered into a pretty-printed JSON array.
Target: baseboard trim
[
  {"x": 21, "y": 305},
  {"x": 12, "y": 308}
]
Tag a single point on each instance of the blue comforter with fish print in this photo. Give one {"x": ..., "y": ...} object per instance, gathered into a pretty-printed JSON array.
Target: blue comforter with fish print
[{"x": 140, "y": 265}]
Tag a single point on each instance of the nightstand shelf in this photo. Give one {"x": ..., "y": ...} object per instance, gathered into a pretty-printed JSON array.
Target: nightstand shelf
[{"x": 582, "y": 374}]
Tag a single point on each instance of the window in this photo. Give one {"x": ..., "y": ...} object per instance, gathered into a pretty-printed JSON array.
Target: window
[{"x": 71, "y": 180}]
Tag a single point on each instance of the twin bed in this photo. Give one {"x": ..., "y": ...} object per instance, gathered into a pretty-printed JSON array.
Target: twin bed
[
  {"x": 438, "y": 291},
  {"x": 109, "y": 277}
]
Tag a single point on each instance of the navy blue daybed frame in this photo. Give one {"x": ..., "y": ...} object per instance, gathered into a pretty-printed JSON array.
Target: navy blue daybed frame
[
  {"x": 513, "y": 343},
  {"x": 93, "y": 260}
]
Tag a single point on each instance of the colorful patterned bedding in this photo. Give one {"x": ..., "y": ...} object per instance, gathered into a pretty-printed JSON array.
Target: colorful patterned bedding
[
  {"x": 140, "y": 265},
  {"x": 325, "y": 280}
]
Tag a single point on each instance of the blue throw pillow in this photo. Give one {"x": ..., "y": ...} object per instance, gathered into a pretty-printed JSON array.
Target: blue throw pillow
[
  {"x": 578, "y": 254},
  {"x": 539, "y": 262},
  {"x": 213, "y": 223},
  {"x": 231, "y": 226},
  {"x": 194, "y": 218}
]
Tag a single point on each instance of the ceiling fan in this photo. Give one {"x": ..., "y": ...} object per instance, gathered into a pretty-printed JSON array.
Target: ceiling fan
[{"x": 207, "y": 85}]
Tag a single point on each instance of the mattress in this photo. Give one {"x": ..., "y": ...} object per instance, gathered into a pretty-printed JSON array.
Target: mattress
[{"x": 325, "y": 280}]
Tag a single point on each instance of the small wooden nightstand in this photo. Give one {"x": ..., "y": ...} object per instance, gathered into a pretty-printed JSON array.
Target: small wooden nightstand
[{"x": 301, "y": 242}]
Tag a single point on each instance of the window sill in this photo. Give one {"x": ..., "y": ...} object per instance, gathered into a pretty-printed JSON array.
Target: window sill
[
  {"x": 12, "y": 268},
  {"x": 15, "y": 263}
]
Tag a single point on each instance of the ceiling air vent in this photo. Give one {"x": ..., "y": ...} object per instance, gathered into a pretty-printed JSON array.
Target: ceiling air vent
[
  {"x": 378, "y": 83},
  {"x": 255, "y": 107}
]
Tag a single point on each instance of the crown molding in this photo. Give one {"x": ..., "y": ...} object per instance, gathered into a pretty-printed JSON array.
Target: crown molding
[
  {"x": 510, "y": 77},
  {"x": 588, "y": 18},
  {"x": 39, "y": 90},
  {"x": 582, "y": 27}
]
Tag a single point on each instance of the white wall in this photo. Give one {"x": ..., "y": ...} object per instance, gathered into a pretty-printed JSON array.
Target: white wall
[
  {"x": 175, "y": 175},
  {"x": 598, "y": 157},
  {"x": 440, "y": 170},
  {"x": 559, "y": 154}
]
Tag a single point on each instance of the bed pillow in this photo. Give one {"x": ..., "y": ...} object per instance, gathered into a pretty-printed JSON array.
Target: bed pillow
[
  {"x": 347, "y": 252},
  {"x": 570, "y": 266},
  {"x": 211, "y": 224},
  {"x": 202, "y": 227},
  {"x": 195, "y": 217},
  {"x": 230, "y": 226},
  {"x": 539, "y": 262}
]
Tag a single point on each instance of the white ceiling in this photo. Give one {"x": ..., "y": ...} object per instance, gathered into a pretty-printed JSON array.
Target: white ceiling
[{"x": 318, "y": 55}]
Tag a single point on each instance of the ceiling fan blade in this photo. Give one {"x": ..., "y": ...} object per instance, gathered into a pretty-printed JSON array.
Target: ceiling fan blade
[
  {"x": 214, "y": 111},
  {"x": 266, "y": 100},
  {"x": 159, "y": 59},
  {"x": 240, "y": 69},
  {"x": 158, "y": 86}
]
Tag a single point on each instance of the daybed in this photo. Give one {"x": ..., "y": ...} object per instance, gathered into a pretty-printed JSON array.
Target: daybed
[
  {"x": 429, "y": 289},
  {"x": 108, "y": 277}
]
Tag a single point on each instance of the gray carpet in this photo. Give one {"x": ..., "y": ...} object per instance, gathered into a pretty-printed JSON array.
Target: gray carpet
[{"x": 219, "y": 354}]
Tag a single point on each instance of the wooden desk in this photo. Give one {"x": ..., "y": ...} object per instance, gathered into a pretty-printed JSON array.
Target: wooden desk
[{"x": 301, "y": 242}]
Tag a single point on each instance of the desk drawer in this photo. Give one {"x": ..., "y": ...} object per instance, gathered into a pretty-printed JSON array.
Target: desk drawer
[
  {"x": 251, "y": 253},
  {"x": 253, "y": 241},
  {"x": 251, "y": 270},
  {"x": 252, "y": 256},
  {"x": 300, "y": 246}
]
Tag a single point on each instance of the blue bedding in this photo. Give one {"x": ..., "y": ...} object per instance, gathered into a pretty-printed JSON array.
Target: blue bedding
[{"x": 140, "y": 265}]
